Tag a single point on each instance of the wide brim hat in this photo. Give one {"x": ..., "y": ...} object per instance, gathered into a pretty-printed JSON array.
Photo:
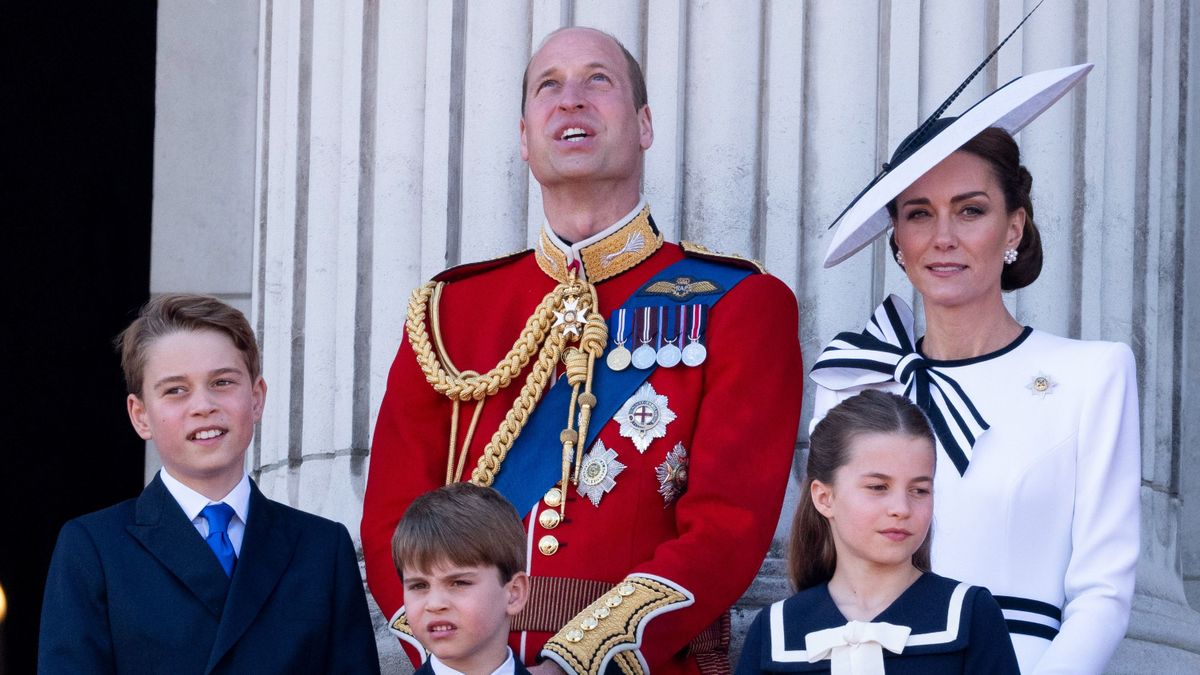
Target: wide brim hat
[{"x": 1011, "y": 107}]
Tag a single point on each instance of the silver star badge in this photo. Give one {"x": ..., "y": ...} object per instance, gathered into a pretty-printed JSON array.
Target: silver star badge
[
  {"x": 672, "y": 475},
  {"x": 597, "y": 476},
  {"x": 1041, "y": 385},
  {"x": 645, "y": 417},
  {"x": 572, "y": 318}
]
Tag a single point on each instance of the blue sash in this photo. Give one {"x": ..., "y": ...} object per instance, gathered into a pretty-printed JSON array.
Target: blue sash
[{"x": 534, "y": 463}]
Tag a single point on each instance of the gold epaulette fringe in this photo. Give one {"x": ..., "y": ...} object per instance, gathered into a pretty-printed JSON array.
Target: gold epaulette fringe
[{"x": 695, "y": 250}]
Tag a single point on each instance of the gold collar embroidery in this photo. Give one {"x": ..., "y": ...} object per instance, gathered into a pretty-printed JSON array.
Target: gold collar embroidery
[{"x": 615, "y": 253}]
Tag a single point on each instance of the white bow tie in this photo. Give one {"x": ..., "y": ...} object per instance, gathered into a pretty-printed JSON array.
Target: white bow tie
[{"x": 856, "y": 648}]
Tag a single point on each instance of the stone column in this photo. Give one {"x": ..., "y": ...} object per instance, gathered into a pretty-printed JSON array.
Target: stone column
[{"x": 386, "y": 149}]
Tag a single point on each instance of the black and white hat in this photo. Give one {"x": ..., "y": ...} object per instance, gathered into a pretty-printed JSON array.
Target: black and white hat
[{"x": 1010, "y": 107}]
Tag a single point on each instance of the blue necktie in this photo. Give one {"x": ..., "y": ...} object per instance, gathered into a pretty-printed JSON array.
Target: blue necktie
[{"x": 218, "y": 516}]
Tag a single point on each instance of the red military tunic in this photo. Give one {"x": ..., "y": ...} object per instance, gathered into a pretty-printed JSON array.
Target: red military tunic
[{"x": 736, "y": 417}]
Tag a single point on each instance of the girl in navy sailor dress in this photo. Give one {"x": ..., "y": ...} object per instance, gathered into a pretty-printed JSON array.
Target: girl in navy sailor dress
[{"x": 859, "y": 555}]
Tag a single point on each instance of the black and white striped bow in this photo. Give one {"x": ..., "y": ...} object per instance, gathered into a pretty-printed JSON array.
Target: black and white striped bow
[{"x": 886, "y": 350}]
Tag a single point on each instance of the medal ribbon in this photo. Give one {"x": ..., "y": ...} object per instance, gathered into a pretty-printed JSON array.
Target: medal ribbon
[
  {"x": 680, "y": 329},
  {"x": 645, "y": 332},
  {"x": 885, "y": 350},
  {"x": 619, "y": 318},
  {"x": 659, "y": 337},
  {"x": 534, "y": 462},
  {"x": 699, "y": 318}
]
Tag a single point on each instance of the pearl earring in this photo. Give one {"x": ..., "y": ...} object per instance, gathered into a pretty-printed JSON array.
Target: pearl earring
[
  {"x": 899, "y": 258},
  {"x": 1010, "y": 256}
]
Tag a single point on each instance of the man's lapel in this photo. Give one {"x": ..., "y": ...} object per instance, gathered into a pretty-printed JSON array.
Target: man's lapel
[
  {"x": 164, "y": 530},
  {"x": 267, "y": 548}
]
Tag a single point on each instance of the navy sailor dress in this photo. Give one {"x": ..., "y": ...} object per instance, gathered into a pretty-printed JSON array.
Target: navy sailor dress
[{"x": 937, "y": 626}]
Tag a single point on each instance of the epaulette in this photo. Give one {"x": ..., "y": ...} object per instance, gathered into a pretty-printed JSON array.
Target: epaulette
[
  {"x": 694, "y": 250},
  {"x": 468, "y": 269}
]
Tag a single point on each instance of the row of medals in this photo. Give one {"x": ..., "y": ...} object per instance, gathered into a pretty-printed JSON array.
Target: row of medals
[{"x": 668, "y": 355}]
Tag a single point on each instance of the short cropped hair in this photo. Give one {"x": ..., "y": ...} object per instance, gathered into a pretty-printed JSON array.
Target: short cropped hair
[
  {"x": 637, "y": 79},
  {"x": 178, "y": 312},
  {"x": 462, "y": 524}
]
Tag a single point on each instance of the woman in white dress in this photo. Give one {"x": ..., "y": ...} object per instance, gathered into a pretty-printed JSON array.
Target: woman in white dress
[{"x": 1039, "y": 469}]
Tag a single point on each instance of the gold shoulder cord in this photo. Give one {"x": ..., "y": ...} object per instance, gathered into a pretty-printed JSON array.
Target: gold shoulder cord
[{"x": 552, "y": 332}]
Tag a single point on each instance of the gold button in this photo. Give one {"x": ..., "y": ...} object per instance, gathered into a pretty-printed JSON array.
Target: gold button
[
  {"x": 554, "y": 497},
  {"x": 600, "y": 612},
  {"x": 549, "y": 519},
  {"x": 548, "y": 545},
  {"x": 589, "y": 623},
  {"x": 1041, "y": 384},
  {"x": 574, "y": 635},
  {"x": 613, "y": 601},
  {"x": 625, "y": 590}
]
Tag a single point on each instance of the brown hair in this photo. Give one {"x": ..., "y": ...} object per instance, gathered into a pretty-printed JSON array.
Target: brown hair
[
  {"x": 636, "y": 78},
  {"x": 996, "y": 147},
  {"x": 177, "y": 312},
  {"x": 812, "y": 557},
  {"x": 463, "y": 524}
]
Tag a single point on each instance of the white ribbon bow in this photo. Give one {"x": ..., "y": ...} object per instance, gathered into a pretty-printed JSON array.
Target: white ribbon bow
[
  {"x": 856, "y": 648},
  {"x": 886, "y": 350}
]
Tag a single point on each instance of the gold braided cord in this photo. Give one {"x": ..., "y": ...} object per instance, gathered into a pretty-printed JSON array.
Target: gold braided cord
[
  {"x": 591, "y": 343},
  {"x": 454, "y": 470},
  {"x": 454, "y": 406},
  {"x": 514, "y": 420},
  {"x": 436, "y": 322},
  {"x": 462, "y": 456},
  {"x": 540, "y": 335},
  {"x": 466, "y": 388}
]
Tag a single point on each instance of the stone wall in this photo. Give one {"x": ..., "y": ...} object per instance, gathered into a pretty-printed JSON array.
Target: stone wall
[{"x": 316, "y": 171}]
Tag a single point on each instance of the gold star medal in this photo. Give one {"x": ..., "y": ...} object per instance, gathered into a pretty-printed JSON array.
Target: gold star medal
[
  {"x": 598, "y": 473},
  {"x": 644, "y": 417}
]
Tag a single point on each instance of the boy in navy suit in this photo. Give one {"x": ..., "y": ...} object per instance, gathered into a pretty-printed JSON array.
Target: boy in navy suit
[
  {"x": 460, "y": 553},
  {"x": 201, "y": 573}
]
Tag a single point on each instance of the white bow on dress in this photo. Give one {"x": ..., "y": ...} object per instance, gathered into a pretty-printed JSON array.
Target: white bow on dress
[{"x": 857, "y": 647}]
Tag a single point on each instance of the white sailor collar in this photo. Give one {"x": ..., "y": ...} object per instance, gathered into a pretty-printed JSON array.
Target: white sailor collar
[
  {"x": 609, "y": 252},
  {"x": 937, "y": 610}
]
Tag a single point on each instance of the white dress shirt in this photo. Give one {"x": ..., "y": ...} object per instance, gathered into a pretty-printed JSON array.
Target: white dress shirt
[
  {"x": 439, "y": 668},
  {"x": 193, "y": 502}
]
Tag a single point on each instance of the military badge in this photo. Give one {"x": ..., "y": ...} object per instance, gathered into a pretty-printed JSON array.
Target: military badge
[
  {"x": 695, "y": 352},
  {"x": 681, "y": 289},
  {"x": 673, "y": 475},
  {"x": 671, "y": 351},
  {"x": 597, "y": 476},
  {"x": 643, "y": 357},
  {"x": 619, "y": 357},
  {"x": 644, "y": 417},
  {"x": 634, "y": 243},
  {"x": 1042, "y": 385},
  {"x": 572, "y": 318}
]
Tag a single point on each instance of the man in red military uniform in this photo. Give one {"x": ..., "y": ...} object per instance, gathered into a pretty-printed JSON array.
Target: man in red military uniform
[{"x": 651, "y": 473}]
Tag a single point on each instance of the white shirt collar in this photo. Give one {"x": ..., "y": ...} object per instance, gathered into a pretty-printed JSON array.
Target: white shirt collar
[
  {"x": 439, "y": 668},
  {"x": 193, "y": 502},
  {"x": 572, "y": 250}
]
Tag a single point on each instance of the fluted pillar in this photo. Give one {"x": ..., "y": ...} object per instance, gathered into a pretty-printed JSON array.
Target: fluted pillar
[{"x": 387, "y": 149}]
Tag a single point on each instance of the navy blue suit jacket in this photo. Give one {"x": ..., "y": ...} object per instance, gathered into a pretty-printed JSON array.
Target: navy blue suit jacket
[{"x": 134, "y": 589}]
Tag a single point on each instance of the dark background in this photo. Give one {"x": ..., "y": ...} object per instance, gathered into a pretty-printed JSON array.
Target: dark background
[{"x": 78, "y": 118}]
